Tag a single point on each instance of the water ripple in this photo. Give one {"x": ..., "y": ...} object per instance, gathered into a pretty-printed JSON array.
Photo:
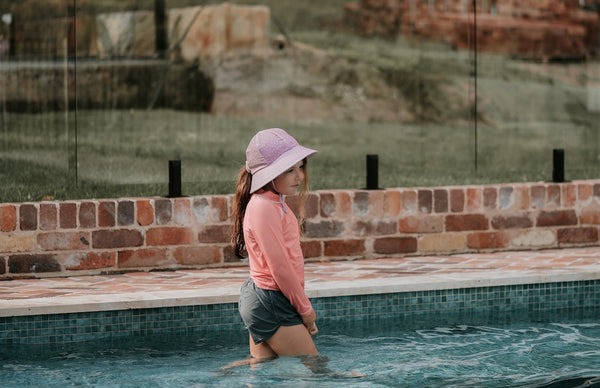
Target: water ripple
[{"x": 521, "y": 355}]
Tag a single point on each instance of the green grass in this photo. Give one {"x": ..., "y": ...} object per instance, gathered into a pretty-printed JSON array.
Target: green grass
[{"x": 126, "y": 154}]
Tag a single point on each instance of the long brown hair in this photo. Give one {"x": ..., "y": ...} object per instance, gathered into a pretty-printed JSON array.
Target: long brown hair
[
  {"x": 242, "y": 197},
  {"x": 240, "y": 202}
]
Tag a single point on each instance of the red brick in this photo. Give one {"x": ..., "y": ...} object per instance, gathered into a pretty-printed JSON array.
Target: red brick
[
  {"x": 569, "y": 195},
  {"x": 421, "y": 224},
  {"x": 522, "y": 199},
  {"x": 460, "y": 222},
  {"x": 393, "y": 203},
  {"x": 33, "y": 263},
  {"x": 8, "y": 218},
  {"x": 87, "y": 215},
  {"x": 145, "y": 212},
  {"x": 169, "y": 236},
  {"x": 116, "y": 238},
  {"x": 553, "y": 196},
  {"x": 361, "y": 203},
  {"x": 344, "y": 247},
  {"x": 327, "y": 204},
  {"x": 376, "y": 203},
  {"x": 585, "y": 235},
  {"x": 584, "y": 191},
  {"x": 220, "y": 208},
  {"x": 490, "y": 198},
  {"x": 106, "y": 214},
  {"x": 487, "y": 240},
  {"x": 182, "y": 211},
  {"x": 343, "y": 202},
  {"x": 293, "y": 203},
  {"x": 48, "y": 216},
  {"x": 202, "y": 210},
  {"x": 457, "y": 200},
  {"x": 210, "y": 209},
  {"x": 440, "y": 200},
  {"x": 198, "y": 255},
  {"x": 506, "y": 197},
  {"x": 28, "y": 217},
  {"x": 512, "y": 221},
  {"x": 538, "y": 197},
  {"x": 590, "y": 214},
  {"x": 90, "y": 260},
  {"x": 68, "y": 215},
  {"x": 556, "y": 218},
  {"x": 162, "y": 211},
  {"x": 596, "y": 191},
  {"x": 425, "y": 198},
  {"x": 125, "y": 212},
  {"x": 474, "y": 199},
  {"x": 215, "y": 234},
  {"x": 311, "y": 206},
  {"x": 409, "y": 201},
  {"x": 146, "y": 257},
  {"x": 328, "y": 228},
  {"x": 374, "y": 227},
  {"x": 60, "y": 241},
  {"x": 337, "y": 203},
  {"x": 395, "y": 245},
  {"x": 311, "y": 248}
]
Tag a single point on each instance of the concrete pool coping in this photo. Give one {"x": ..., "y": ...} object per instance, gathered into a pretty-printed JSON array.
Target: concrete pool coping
[{"x": 141, "y": 290}]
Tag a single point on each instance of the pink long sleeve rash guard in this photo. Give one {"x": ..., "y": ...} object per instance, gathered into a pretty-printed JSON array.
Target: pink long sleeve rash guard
[{"x": 272, "y": 237}]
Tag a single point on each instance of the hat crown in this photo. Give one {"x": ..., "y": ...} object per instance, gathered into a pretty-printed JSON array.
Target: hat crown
[{"x": 266, "y": 147}]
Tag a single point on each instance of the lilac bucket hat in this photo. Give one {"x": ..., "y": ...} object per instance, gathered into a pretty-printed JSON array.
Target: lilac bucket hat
[{"x": 270, "y": 153}]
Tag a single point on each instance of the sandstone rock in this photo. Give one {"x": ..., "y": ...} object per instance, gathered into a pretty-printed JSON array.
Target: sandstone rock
[
  {"x": 209, "y": 32},
  {"x": 126, "y": 34},
  {"x": 540, "y": 29}
]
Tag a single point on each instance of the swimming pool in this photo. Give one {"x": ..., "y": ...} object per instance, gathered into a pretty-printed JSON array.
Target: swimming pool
[
  {"x": 514, "y": 335},
  {"x": 519, "y": 354}
]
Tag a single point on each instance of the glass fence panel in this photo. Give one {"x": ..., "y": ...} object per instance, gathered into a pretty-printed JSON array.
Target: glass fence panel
[
  {"x": 37, "y": 117},
  {"x": 98, "y": 95},
  {"x": 536, "y": 90}
]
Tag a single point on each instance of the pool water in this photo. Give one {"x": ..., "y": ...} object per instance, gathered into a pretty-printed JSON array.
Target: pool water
[{"x": 560, "y": 354}]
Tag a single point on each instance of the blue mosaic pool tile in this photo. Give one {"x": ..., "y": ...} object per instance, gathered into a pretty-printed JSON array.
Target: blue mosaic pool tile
[{"x": 530, "y": 302}]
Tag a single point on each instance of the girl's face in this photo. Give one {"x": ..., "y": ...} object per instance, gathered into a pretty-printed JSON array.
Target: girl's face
[{"x": 291, "y": 180}]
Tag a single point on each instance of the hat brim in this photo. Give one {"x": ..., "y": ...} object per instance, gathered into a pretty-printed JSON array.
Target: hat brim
[{"x": 278, "y": 167}]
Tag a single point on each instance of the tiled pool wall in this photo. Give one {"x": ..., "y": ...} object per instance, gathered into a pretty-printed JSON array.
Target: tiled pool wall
[{"x": 496, "y": 304}]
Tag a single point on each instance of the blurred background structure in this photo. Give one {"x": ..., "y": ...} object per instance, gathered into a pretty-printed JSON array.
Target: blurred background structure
[{"x": 98, "y": 95}]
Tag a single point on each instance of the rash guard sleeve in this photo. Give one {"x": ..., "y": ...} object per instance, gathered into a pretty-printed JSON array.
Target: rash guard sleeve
[{"x": 273, "y": 242}]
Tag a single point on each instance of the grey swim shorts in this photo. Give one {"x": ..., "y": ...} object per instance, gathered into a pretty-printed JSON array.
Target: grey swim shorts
[{"x": 264, "y": 311}]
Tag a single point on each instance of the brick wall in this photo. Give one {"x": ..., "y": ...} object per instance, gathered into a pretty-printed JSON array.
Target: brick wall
[{"x": 102, "y": 236}]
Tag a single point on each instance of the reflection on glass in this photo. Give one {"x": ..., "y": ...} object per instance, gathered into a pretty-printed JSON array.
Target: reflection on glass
[{"x": 98, "y": 95}]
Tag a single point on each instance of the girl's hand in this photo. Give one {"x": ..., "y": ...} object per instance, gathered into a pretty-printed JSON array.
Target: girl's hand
[{"x": 309, "y": 322}]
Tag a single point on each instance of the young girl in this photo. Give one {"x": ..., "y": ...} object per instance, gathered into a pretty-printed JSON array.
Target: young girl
[{"x": 273, "y": 304}]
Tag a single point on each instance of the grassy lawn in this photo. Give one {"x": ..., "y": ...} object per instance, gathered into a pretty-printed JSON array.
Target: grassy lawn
[{"x": 126, "y": 153}]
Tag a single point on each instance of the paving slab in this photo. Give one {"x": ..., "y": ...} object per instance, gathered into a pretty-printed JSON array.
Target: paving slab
[{"x": 137, "y": 290}]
